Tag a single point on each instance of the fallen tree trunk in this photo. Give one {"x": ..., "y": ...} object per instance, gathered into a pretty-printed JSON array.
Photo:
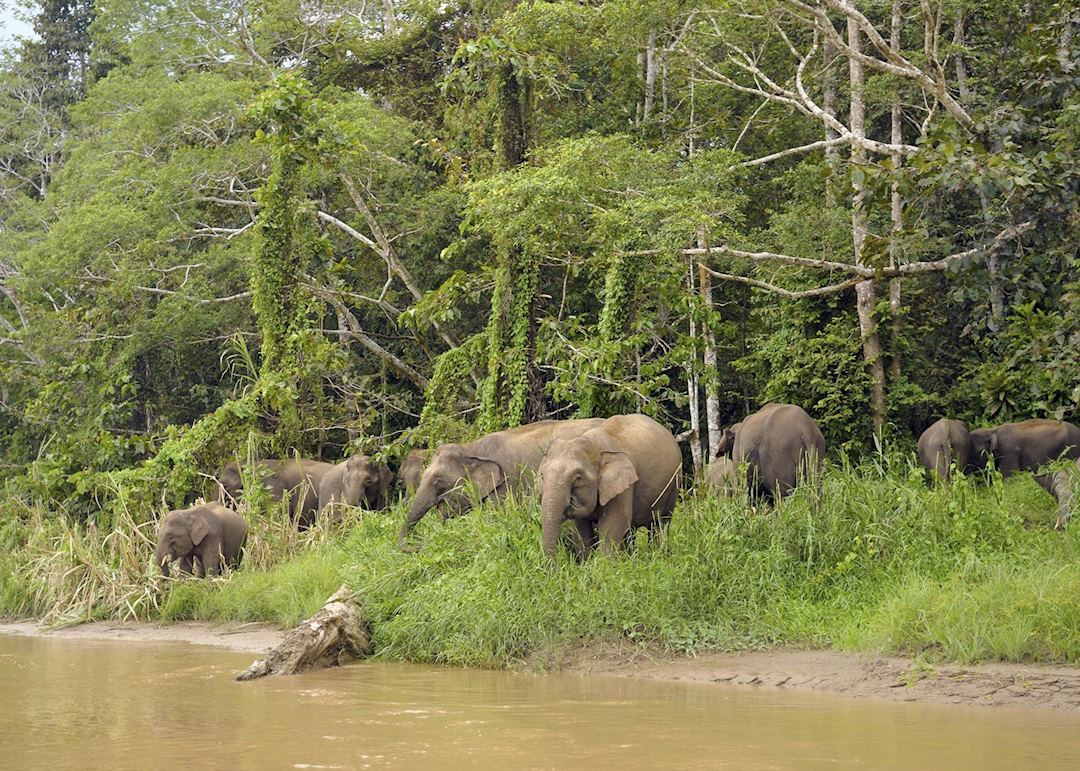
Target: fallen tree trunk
[
  {"x": 338, "y": 633},
  {"x": 1064, "y": 484}
]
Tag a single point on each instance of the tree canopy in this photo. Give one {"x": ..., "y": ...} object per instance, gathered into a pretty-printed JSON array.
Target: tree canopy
[{"x": 327, "y": 226}]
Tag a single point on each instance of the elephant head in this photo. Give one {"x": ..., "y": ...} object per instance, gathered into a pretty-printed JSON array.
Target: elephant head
[
  {"x": 230, "y": 483},
  {"x": 442, "y": 484},
  {"x": 363, "y": 481},
  {"x": 727, "y": 440},
  {"x": 577, "y": 477},
  {"x": 983, "y": 447},
  {"x": 178, "y": 535}
]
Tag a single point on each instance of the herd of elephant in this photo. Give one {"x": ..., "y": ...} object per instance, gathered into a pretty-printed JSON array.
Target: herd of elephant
[
  {"x": 608, "y": 476},
  {"x": 1025, "y": 446}
]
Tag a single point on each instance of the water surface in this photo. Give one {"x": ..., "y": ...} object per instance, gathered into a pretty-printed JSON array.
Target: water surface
[{"x": 81, "y": 704}]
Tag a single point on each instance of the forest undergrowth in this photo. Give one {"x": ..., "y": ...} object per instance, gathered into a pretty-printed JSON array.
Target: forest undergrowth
[{"x": 880, "y": 562}]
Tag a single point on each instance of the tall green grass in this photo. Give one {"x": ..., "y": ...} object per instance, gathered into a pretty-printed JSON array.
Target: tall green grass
[{"x": 879, "y": 562}]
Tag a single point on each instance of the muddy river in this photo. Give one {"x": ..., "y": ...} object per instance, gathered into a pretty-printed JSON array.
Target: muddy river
[{"x": 82, "y": 704}]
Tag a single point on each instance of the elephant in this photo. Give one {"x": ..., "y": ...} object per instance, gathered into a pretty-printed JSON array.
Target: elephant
[
  {"x": 727, "y": 440},
  {"x": 1027, "y": 445},
  {"x": 281, "y": 477},
  {"x": 357, "y": 481},
  {"x": 412, "y": 468},
  {"x": 944, "y": 443},
  {"x": 1064, "y": 484},
  {"x": 980, "y": 453},
  {"x": 620, "y": 475},
  {"x": 778, "y": 442},
  {"x": 206, "y": 535},
  {"x": 722, "y": 474},
  {"x": 497, "y": 463}
]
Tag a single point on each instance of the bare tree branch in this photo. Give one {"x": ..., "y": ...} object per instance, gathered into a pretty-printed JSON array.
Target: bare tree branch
[{"x": 788, "y": 293}]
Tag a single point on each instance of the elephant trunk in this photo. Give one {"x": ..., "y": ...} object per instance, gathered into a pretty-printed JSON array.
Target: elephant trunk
[
  {"x": 421, "y": 504},
  {"x": 553, "y": 505},
  {"x": 163, "y": 558}
]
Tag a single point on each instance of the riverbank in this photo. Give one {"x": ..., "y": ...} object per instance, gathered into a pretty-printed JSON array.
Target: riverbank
[
  {"x": 247, "y": 638},
  {"x": 854, "y": 675}
]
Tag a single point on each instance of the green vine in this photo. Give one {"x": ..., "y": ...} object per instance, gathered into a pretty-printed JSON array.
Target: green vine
[
  {"x": 452, "y": 368},
  {"x": 505, "y": 394}
]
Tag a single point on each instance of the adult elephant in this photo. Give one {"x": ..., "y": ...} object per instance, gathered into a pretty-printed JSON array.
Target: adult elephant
[
  {"x": 620, "y": 475},
  {"x": 496, "y": 464},
  {"x": 357, "y": 481},
  {"x": 1029, "y": 444},
  {"x": 722, "y": 475},
  {"x": 300, "y": 479},
  {"x": 777, "y": 443},
  {"x": 202, "y": 538},
  {"x": 411, "y": 469},
  {"x": 1064, "y": 483},
  {"x": 943, "y": 444}
]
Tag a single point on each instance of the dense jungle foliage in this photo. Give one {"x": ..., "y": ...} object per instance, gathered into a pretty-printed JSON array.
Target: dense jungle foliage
[{"x": 244, "y": 228}]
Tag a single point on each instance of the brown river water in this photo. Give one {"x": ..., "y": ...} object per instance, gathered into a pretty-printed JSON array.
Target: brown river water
[{"x": 84, "y": 704}]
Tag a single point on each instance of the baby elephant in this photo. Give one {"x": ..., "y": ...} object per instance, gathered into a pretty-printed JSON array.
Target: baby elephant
[
  {"x": 208, "y": 534},
  {"x": 722, "y": 475},
  {"x": 358, "y": 481}
]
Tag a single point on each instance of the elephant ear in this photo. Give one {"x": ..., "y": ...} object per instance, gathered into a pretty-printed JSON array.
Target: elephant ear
[
  {"x": 386, "y": 476},
  {"x": 617, "y": 473},
  {"x": 200, "y": 528},
  {"x": 485, "y": 473},
  {"x": 994, "y": 442}
]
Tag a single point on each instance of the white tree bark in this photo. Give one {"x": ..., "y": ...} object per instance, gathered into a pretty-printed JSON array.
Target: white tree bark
[
  {"x": 865, "y": 291},
  {"x": 896, "y": 204}
]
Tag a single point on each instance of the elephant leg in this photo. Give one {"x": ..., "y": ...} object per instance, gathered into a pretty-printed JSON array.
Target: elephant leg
[
  {"x": 187, "y": 565},
  {"x": 615, "y": 521},
  {"x": 211, "y": 561},
  {"x": 583, "y": 538}
]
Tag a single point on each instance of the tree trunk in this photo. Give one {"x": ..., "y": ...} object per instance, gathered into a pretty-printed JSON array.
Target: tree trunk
[
  {"x": 712, "y": 386},
  {"x": 513, "y": 119},
  {"x": 866, "y": 291},
  {"x": 897, "y": 210},
  {"x": 338, "y": 633},
  {"x": 692, "y": 392},
  {"x": 650, "y": 76},
  {"x": 832, "y": 152}
]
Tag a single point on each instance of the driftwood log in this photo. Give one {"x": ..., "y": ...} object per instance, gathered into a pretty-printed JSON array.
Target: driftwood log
[
  {"x": 338, "y": 633},
  {"x": 1064, "y": 484}
]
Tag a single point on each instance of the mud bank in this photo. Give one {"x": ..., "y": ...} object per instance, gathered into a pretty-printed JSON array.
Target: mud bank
[
  {"x": 254, "y": 637},
  {"x": 886, "y": 678}
]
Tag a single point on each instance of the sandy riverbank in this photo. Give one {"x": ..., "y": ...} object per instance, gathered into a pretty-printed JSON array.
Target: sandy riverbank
[
  {"x": 886, "y": 678},
  {"x": 253, "y": 638},
  {"x": 858, "y": 675}
]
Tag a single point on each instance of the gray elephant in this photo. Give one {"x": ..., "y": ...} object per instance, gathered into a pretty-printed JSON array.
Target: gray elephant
[
  {"x": 202, "y": 538},
  {"x": 778, "y": 444},
  {"x": 944, "y": 444},
  {"x": 412, "y": 468},
  {"x": 727, "y": 440},
  {"x": 980, "y": 453},
  {"x": 722, "y": 475},
  {"x": 496, "y": 464},
  {"x": 1064, "y": 483},
  {"x": 357, "y": 481},
  {"x": 623, "y": 474},
  {"x": 1029, "y": 444},
  {"x": 300, "y": 479}
]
